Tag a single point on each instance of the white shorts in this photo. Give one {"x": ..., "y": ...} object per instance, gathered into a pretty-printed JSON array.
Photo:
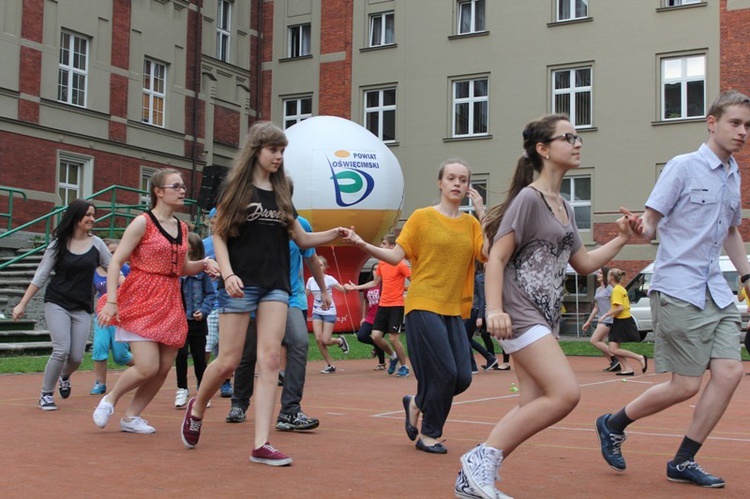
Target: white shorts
[
  {"x": 126, "y": 336},
  {"x": 529, "y": 336}
]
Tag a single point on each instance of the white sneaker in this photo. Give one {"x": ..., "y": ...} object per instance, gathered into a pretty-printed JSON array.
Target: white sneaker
[
  {"x": 136, "y": 425},
  {"x": 480, "y": 470},
  {"x": 180, "y": 399},
  {"x": 102, "y": 412}
]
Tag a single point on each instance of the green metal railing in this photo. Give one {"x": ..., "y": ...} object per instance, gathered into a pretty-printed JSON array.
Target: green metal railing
[
  {"x": 117, "y": 217},
  {"x": 11, "y": 192}
]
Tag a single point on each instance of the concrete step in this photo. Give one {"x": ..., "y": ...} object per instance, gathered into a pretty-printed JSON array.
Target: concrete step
[
  {"x": 14, "y": 283},
  {"x": 17, "y": 273},
  {"x": 24, "y": 335},
  {"x": 28, "y": 348}
]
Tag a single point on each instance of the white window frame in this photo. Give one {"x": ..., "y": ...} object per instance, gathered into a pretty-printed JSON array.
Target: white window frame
[
  {"x": 380, "y": 110},
  {"x": 575, "y": 93},
  {"x": 565, "y": 10},
  {"x": 678, "y": 3},
  {"x": 147, "y": 173},
  {"x": 471, "y": 100},
  {"x": 82, "y": 187},
  {"x": 683, "y": 80},
  {"x": 299, "y": 40},
  {"x": 223, "y": 29},
  {"x": 578, "y": 203},
  {"x": 480, "y": 183},
  {"x": 477, "y": 13},
  {"x": 294, "y": 118},
  {"x": 380, "y": 34},
  {"x": 72, "y": 77},
  {"x": 153, "y": 93}
]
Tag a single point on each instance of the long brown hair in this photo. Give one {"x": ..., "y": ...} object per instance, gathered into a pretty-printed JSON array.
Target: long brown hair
[
  {"x": 537, "y": 131},
  {"x": 238, "y": 190}
]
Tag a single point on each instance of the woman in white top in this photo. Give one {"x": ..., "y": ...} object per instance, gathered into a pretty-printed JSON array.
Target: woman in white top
[{"x": 324, "y": 319}]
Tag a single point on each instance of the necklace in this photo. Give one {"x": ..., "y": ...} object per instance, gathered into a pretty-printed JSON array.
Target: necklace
[{"x": 553, "y": 198}]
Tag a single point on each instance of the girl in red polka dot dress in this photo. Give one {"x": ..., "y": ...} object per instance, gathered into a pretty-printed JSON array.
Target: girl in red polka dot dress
[{"x": 147, "y": 309}]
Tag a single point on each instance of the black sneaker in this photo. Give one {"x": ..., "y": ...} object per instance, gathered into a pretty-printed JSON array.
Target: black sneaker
[
  {"x": 344, "y": 344},
  {"x": 236, "y": 415},
  {"x": 614, "y": 366},
  {"x": 328, "y": 370},
  {"x": 691, "y": 472},
  {"x": 64, "y": 387},
  {"x": 296, "y": 422},
  {"x": 610, "y": 443},
  {"x": 47, "y": 402},
  {"x": 489, "y": 365}
]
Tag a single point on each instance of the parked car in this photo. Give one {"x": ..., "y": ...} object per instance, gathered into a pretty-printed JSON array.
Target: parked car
[{"x": 638, "y": 294}]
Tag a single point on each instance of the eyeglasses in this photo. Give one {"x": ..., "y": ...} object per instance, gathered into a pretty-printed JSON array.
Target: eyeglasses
[
  {"x": 177, "y": 187},
  {"x": 569, "y": 138}
]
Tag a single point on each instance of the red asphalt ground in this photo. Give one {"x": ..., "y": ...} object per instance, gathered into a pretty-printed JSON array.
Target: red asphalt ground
[{"x": 360, "y": 449}]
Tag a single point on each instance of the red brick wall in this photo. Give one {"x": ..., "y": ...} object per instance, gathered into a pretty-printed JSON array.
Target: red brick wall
[
  {"x": 336, "y": 77},
  {"x": 32, "y": 21},
  {"x": 226, "y": 126},
  {"x": 735, "y": 74},
  {"x": 32, "y": 165}
]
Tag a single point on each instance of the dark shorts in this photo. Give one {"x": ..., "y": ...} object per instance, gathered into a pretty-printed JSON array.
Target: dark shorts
[
  {"x": 388, "y": 320},
  {"x": 624, "y": 331}
]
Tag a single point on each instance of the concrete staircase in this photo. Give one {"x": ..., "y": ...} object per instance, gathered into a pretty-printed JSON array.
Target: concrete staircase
[{"x": 28, "y": 336}]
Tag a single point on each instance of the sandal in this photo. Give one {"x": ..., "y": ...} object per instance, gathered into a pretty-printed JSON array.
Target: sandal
[{"x": 379, "y": 367}]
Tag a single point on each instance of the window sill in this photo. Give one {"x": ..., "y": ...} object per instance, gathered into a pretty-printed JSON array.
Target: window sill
[
  {"x": 385, "y": 46},
  {"x": 682, "y": 7},
  {"x": 287, "y": 59},
  {"x": 586, "y": 129},
  {"x": 570, "y": 21},
  {"x": 473, "y": 34},
  {"x": 467, "y": 137},
  {"x": 698, "y": 119}
]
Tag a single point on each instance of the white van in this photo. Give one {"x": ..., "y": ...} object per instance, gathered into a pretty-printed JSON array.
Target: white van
[{"x": 639, "y": 303}]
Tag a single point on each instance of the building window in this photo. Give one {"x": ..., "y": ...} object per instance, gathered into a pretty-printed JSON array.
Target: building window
[
  {"x": 470, "y": 107},
  {"x": 381, "y": 29},
  {"x": 223, "y": 24},
  {"x": 299, "y": 40},
  {"x": 380, "y": 113},
  {"x": 73, "y": 70},
  {"x": 146, "y": 174},
  {"x": 683, "y": 87},
  {"x": 470, "y": 14},
  {"x": 567, "y": 10},
  {"x": 571, "y": 95},
  {"x": 74, "y": 177},
  {"x": 677, "y": 3},
  {"x": 296, "y": 110},
  {"x": 154, "y": 86},
  {"x": 577, "y": 192},
  {"x": 480, "y": 184}
]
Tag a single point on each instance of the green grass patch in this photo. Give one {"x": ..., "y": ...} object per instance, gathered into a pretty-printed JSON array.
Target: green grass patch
[{"x": 357, "y": 350}]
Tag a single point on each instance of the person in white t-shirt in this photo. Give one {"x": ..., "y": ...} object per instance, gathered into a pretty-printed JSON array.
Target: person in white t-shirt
[{"x": 324, "y": 320}]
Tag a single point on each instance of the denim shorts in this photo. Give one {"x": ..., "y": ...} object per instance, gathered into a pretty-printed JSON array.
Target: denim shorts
[
  {"x": 248, "y": 303},
  {"x": 331, "y": 319}
]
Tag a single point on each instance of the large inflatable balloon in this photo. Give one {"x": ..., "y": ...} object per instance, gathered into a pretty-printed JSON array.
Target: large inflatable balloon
[{"x": 344, "y": 176}]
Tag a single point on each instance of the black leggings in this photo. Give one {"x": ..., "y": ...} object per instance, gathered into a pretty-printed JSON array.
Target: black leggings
[{"x": 196, "y": 344}]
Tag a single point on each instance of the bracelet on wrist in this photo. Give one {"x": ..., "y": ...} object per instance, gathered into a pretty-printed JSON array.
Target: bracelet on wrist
[
  {"x": 493, "y": 312},
  {"x": 112, "y": 302},
  {"x": 227, "y": 277}
]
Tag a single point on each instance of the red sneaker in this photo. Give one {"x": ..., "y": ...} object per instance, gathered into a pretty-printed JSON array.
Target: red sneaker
[
  {"x": 191, "y": 426},
  {"x": 269, "y": 455}
]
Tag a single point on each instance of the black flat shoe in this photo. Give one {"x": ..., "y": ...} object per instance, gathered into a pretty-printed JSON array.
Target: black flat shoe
[
  {"x": 629, "y": 373},
  {"x": 411, "y": 430},
  {"x": 437, "y": 448}
]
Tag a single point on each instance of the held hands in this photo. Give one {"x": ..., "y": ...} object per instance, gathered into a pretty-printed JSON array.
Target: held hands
[
  {"x": 211, "y": 267},
  {"x": 499, "y": 325},
  {"x": 350, "y": 286},
  {"x": 628, "y": 224},
  {"x": 349, "y": 236}
]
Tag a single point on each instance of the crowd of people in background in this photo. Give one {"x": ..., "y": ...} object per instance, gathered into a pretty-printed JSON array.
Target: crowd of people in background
[{"x": 448, "y": 276}]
